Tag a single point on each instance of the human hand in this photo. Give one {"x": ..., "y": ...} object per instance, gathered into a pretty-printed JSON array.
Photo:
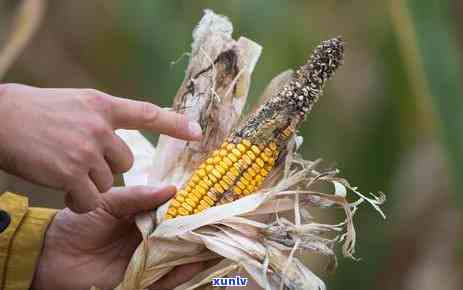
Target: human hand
[
  {"x": 94, "y": 249},
  {"x": 64, "y": 138}
]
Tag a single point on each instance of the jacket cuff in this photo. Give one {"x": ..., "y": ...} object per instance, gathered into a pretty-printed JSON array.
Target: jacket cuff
[{"x": 21, "y": 243}]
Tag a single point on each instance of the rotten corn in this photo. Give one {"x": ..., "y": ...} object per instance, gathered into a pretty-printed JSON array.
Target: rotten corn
[{"x": 242, "y": 163}]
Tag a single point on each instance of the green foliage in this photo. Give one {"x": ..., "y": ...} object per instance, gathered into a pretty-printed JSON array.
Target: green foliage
[{"x": 435, "y": 29}]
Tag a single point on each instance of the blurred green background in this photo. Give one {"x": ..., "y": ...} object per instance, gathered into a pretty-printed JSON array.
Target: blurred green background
[{"x": 391, "y": 118}]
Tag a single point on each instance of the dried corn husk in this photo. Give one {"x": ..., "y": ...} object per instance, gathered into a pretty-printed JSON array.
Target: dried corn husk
[{"x": 253, "y": 235}]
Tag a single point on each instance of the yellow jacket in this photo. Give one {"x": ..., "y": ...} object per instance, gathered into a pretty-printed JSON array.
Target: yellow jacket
[{"x": 21, "y": 242}]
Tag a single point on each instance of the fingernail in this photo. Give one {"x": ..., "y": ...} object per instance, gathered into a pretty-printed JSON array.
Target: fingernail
[{"x": 195, "y": 130}]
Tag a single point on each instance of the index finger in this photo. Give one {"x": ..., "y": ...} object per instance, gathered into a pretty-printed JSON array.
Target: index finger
[{"x": 130, "y": 114}]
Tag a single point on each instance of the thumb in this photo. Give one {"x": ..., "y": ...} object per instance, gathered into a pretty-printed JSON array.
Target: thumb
[{"x": 127, "y": 201}]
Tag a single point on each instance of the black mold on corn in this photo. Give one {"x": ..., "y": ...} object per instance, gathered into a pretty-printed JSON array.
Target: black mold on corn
[
  {"x": 244, "y": 160},
  {"x": 285, "y": 111}
]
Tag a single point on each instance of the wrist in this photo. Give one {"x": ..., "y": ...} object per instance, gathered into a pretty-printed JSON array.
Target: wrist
[{"x": 44, "y": 274}]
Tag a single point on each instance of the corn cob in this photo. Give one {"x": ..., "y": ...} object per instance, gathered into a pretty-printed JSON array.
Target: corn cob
[{"x": 240, "y": 166}]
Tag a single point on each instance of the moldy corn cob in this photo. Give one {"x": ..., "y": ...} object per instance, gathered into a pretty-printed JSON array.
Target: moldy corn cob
[{"x": 247, "y": 156}]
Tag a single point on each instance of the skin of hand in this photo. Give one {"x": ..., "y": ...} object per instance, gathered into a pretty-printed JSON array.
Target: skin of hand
[
  {"x": 64, "y": 138},
  {"x": 94, "y": 249}
]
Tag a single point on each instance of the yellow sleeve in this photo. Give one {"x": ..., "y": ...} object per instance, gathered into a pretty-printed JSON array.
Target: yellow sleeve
[{"x": 21, "y": 242}]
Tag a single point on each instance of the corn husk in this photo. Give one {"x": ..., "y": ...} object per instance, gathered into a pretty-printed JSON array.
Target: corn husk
[{"x": 261, "y": 236}]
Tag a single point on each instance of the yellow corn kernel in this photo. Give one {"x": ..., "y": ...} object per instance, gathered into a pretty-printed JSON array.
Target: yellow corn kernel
[
  {"x": 221, "y": 170},
  {"x": 241, "y": 147},
  {"x": 224, "y": 165},
  {"x": 232, "y": 157},
  {"x": 235, "y": 171},
  {"x": 236, "y": 152},
  {"x": 246, "y": 159},
  {"x": 213, "y": 177},
  {"x": 251, "y": 188},
  {"x": 246, "y": 143},
  {"x": 200, "y": 207},
  {"x": 260, "y": 162},
  {"x": 227, "y": 161},
  {"x": 196, "y": 193},
  {"x": 255, "y": 149},
  {"x": 201, "y": 173},
  {"x": 175, "y": 203},
  {"x": 268, "y": 168},
  {"x": 187, "y": 207},
  {"x": 219, "y": 188},
  {"x": 208, "y": 181},
  {"x": 195, "y": 178},
  {"x": 255, "y": 167},
  {"x": 237, "y": 190},
  {"x": 224, "y": 184},
  {"x": 230, "y": 146},
  {"x": 263, "y": 172},
  {"x": 212, "y": 195},
  {"x": 209, "y": 201},
  {"x": 180, "y": 198},
  {"x": 253, "y": 182},
  {"x": 247, "y": 175},
  {"x": 251, "y": 155},
  {"x": 241, "y": 165},
  {"x": 244, "y": 181},
  {"x": 230, "y": 175},
  {"x": 259, "y": 178},
  {"x": 204, "y": 185},
  {"x": 172, "y": 211},
  {"x": 264, "y": 157},
  {"x": 240, "y": 185},
  {"x": 182, "y": 211},
  {"x": 268, "y": 152},
  {"x": 238, "y": 168},
  {"x": 194, "y": 199},
  {"x": 273, "y": 146},
  {"x": 251, "y": 172},
  {"x": 190, "y": 202},
  {"x": 271, "y": 161},
  {"x": 201, "y": 190},
  {"x": 228, "y": 180}
]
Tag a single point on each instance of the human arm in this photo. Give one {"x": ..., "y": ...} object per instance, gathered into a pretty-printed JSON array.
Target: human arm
[
  {"x": 63, "y": 250},
  {"x": 64, "y": 138}
]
